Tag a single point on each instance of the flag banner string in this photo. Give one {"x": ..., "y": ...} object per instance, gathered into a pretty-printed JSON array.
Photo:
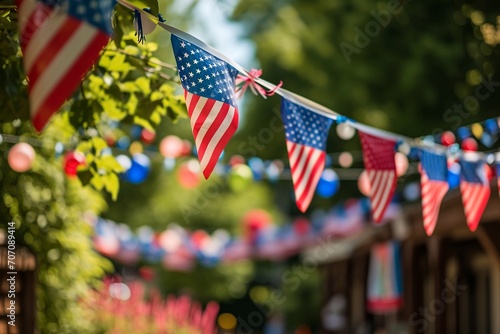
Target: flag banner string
[{"x": 298, "y": 99}]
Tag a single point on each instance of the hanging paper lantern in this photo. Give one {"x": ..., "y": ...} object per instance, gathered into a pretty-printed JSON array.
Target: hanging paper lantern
[
  {"x": 345, "y": 131},
  {"x": 448, "y": 138},
  {"x": 454, "y": 175},
  {"x": 169, "y": 163},
  {"x": 124, "y": 161},
  {"x": 147, "y": 136},
  {"x": 345, "y": 159},
  {"x": 123, "y": 142},
  {"x": 135, "y": 148},
  {"x": 236, "y": 160},
  {"x": 328, "y": 184},
  {"x": 186, "y": 147},
  {"x": 402, "y": 163},
  {"x": 171, "y": 146},
  {"x": 135, "y": 132},
  {"x": 71, "y": 162},
  {"x": 258, "y": 168},
  {"x": 21, "y": 157},
  {"x": 189, "y": 174},
  {"x": 463, "y": 132},
  {"x": 139, "y": 170},
  {"x": 364, "y": 183},
  {"x": 274, "y": 170},
  {"x": 240, "y": 177},
  {"x": 469, "y": 144},
  {"x": 477, "y": 130},
  {"x": 411, "y": 191}
]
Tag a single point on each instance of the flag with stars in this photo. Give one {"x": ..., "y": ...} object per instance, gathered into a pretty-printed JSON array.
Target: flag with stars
[
  {"x": 434, "y": 185},
  {"x": 475, "y": 190},
  {"x": 306, "y": 134},
  {"x": 209, "y": 85},
  {"x": 60, "y": 40},
  {"x": 378, "y": 157}
]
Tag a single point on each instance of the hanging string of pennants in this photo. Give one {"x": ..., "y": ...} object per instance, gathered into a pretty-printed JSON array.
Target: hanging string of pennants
[{"x": 76, "y": 31}]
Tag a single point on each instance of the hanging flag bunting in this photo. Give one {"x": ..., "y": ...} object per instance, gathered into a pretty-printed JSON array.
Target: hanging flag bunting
[
  {"x": 60, "y": 41},
  {"x": 434, "y": 184},
  {"x": 385, "y": 284},
  {"x": 378, "y": 157},
  {"x": 209, "y": 90},
  {"x": 475, "y": 189},
  {"x": 306, "y": 134}
]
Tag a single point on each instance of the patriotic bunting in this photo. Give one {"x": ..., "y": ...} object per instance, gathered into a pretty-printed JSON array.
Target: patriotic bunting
[
  {"x": 434, "y": 184},
  {"x": 378, "y": 156},
  {"x": 209, "y": 90},
  {"x": 306, "y": 134},
  {"x": 60, "y": 41},
  {"x": 475, "y": 189}
]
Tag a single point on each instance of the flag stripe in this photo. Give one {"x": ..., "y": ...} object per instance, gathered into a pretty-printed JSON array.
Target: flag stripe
[
  {"x": 378, "y": 157},
  {"x": 305, "y": 175},
  {"x": 432, "y": 195},
  {"x": 69, "y": 38},
  {"x": 65, "y": 85},
  {"x": 32, "y": 15}
]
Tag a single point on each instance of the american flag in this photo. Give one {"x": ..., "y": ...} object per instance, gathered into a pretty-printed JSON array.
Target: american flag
[
  {"x": 209, "y": 85},
  {"x": 378, "y": 157},
  {"x": 60, "y": 41},
  {"x": 434, "y": 184},
  {"x": 475, "y": 190},
  {"x": 306, "y": 134}
]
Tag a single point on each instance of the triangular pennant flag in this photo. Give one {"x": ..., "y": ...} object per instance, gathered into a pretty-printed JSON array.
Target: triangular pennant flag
[
  {"x": 60, "y": 41},
  {"x": 378, "y": 157},
  {"x": 475, "y": 190},
  {"x": 209, "y": 85},
  {"x": 434, "y": 184},
  {"x": 306, "y": 133}
]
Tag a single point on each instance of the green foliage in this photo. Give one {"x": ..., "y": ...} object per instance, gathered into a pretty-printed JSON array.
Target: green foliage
[{"x": 49, "y": 212}]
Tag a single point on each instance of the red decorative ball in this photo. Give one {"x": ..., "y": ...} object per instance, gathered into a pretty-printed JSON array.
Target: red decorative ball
[
  {"x": 469, "y": 144},
  {"x": 147, "y": 136},
  {"x": 236, "y": 160},
  {"x": 448, "y": 138},
  {"x": 71, "y": 162}
]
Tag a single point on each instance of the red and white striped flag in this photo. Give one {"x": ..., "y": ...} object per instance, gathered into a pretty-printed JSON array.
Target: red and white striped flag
[
  {"x": 378, "y": 157},
  {"x": 475, "y": 189},
  {"x": 209, "y": 89},
  {"x": 434, "y": 184},
  {"x": 60, "y": 40},
  {"x": 306, "y": 133}
]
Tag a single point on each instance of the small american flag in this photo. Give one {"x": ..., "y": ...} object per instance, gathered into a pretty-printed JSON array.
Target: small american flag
[
  {"x": 209, "y": 85},
  {"x": 475, "y": 190},
  {"x": 306, "y": 134},
  {"x": 60, "y": 41},
  {"x": 378, "y": 157},
  {"x": 434, "y": 184}
]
